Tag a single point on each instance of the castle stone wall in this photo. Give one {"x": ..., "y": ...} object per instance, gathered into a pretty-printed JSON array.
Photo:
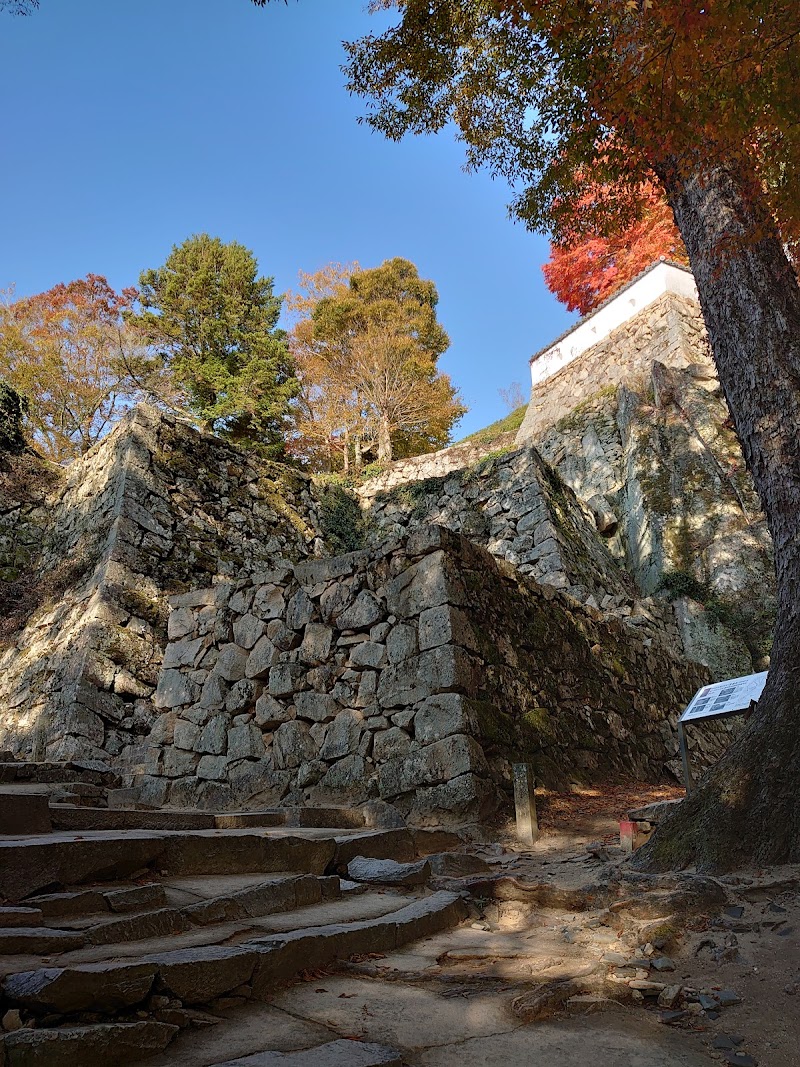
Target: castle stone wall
[
  {"x": 155, "y": 508},
  {"x": 412, "y": 674},
  {"x": 670, "y": 330}
]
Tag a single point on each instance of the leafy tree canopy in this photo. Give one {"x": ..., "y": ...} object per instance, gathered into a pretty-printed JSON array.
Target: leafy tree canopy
[
  {"x": 556, "y": 93},
  {"x": 68, "y": 352},
  {"x": 213, "y": 321},
  {"x": 585, "y": 270},
  {"x": 369, "y": 347}
]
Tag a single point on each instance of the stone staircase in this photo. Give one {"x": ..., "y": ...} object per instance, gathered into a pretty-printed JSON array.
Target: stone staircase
[{"x": 121, "y": 927}]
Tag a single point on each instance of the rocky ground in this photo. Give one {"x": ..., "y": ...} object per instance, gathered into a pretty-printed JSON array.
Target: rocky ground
[
  {"x": 536, "y": 977},
  {"x": 566, "y": 953}
]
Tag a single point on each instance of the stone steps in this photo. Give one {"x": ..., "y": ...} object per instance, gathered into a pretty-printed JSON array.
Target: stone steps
[
  {"x": 190, "y": 977},
  {"x": 87, "y": 817},
  {"x": 124, "y": 926},
  {"x": 33, "y": 864}
]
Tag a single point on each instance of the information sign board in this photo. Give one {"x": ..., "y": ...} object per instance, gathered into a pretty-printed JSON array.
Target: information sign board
[{"x": 725, "y": 698}]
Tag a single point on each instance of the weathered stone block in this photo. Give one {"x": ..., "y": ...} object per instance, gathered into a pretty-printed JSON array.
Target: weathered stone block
[
  {"x": 300, "y": 610},
  {"x": 444, "y": 625},
  {"x": 286, "y": 678},
  {"x": 364, "y": 612},
  {"x": 317, "y": 707},
  {"x": 270, "y": 712},
  {"x": 343, "y": 735},
  {"x": 214, "y": 736},
  {"x": 177, "y": 763},
  {"x": 402, "y": 643},
  {"x": 213, "y": 768},
  {"x": 293, "y": 745},
  {"x": 173, "y": 690},
  {"x": 245, "y": 742},
  {"x": 432, "y": 581},
  {"x": 439, "y": 762},
  {"x": 186, "y": 735},
  {"x": 469, "y": 796},
  {"x": 445, "y": 668},
  {"x": 183, "y": 653},
  {"x": 390, "y": 744},
  {"x": 231, "y": 663},
  {"x": 368, "y": 654},
  {"x": 444, "y": 714},
  {"x": 347, "y": 778},
  {"x": 269, "y": 603},
  {"x": 247, "y": 629},
  {"x": 316, "y": 645},
  {"x": 262, "y": 657}
]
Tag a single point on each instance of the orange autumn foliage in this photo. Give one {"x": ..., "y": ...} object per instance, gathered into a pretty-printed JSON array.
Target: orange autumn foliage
[{"x": 585, "y": 271}]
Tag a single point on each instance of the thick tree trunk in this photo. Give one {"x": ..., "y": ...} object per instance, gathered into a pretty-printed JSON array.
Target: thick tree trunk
[
  {"x": 384, "y": 440},
  {"x": 747, "y": 809}
]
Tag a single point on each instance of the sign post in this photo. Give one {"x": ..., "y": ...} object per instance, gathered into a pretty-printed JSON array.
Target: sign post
[
  {"x": 717, "y": 701},
  {"x": 525, "y": 803}
]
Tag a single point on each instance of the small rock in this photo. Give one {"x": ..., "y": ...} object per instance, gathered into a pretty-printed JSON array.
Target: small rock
[
  {"x": 670, "y": 997},
  {"x": 649, "y": 989},
  {"x": 669, "y": 1017},
  {"x": 388, "y": 872},
  {"x": 617, "y": 958},
  {"x": 734, "y": 913},
  {"x": 727, "y": 1041},
  {"x": 12, "y": 1020},
  {"x": 727, "y": 997},
  {"x": 662, "y": 963},
  {"x": 740, "y": 1059},
  {"x": 707, "y": 1003}
]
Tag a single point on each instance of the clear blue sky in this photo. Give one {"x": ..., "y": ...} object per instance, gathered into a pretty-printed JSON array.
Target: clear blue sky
[{"x": 131, "y": 124}]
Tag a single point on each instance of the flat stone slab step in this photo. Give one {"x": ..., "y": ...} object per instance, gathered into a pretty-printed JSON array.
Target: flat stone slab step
[
  {"x": 92, "y": 771},
  {"x": 24, "y": 812},
  {"x": 69, "y": 817},
  {"x": 199, "y": 975},
  {"x": 102, "y": 1045},
  {"x": 31, "y": 864},
  {"x": 342, "y": 1053}
]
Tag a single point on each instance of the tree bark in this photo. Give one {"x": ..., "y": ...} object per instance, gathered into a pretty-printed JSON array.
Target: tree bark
[
  {"x": 384, "y": 440},
  {"x": 746, "y": 809}
]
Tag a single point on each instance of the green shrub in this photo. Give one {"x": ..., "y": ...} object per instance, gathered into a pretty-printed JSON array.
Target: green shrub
[
  {"x": 342, "y": 520},
  {"x": 12, "y": 412}
]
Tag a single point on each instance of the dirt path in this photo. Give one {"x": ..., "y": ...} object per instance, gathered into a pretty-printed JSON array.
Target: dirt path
[{"x": 541, "y": 973}]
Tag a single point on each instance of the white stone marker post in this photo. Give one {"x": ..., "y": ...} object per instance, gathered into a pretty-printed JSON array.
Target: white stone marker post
[{"x": 525, "y": 803}]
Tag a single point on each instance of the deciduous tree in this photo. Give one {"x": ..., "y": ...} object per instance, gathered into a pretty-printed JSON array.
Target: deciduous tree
[
  {"x": 372, "y": 348},
  {"x": 213, "y": 321},
  {"x": 68, "y": 352},
  {"x": 702, "y": 97},
  {"x": 585, "y": 270}
]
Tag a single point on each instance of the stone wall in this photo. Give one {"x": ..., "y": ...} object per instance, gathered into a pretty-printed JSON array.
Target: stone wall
[
  {"x": 411, "y": 674},
  {"x": 670, "y": 330},
  {"x": 666, "y": 461},
  {"x": 517, "y": 507},
  {"x": 437, "y": 464},
  {"x": 156, "y": 508}
]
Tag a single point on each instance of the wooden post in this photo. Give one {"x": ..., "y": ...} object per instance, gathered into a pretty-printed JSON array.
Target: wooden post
[{"x": 525, "y": 803}]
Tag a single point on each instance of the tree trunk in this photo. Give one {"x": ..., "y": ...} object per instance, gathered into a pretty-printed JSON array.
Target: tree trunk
[
  {"x": 384, "y": 440},
  {"x": 359, "y": 458},
  {"x": 746, "y": 808}
]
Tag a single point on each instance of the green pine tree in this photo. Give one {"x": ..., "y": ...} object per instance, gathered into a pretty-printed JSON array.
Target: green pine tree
[{"x": 213, "y": 321}]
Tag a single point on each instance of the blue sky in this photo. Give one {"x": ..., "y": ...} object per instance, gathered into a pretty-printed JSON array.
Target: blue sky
[{"x": 131, "y": 124}]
